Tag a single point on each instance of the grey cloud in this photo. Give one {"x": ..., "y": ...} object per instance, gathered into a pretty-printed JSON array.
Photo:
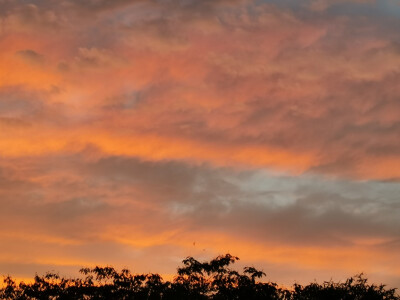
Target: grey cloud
[
  {"x": 103, "y": 5},
  {"x": 22, "y": 107},
  {"x": 17, "y": 102},
  {"x": 288, "y": 210},
  {"x": 5, "y": 7},
  {"x": 93, "y": 57},
  {"x": 36, "y": 16},
  {"x": 322, "y": 210},
  {"x": 31, "y": 56},
  {"x": 320, "y": 219}
]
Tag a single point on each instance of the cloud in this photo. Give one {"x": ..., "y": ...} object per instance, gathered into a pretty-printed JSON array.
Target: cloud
[
  {"x": 84, "y": 199},
  {"x": 29, "y": 17},
  {"x": 29, "y": 109},
  {"x": 17, "y": 102},
  {"x": 322, "y": 5},
  {"x": 269, "y": 85},
  {"x": 264, "y": 128},
  {"x": 95, "y": 58},
  {"x": 12, "y": 123},
  {"x": 200, "y": 192},
  {"x": 31, "y": 56}
]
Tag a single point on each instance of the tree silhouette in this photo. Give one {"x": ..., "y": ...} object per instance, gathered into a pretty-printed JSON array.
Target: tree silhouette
[
  {"x": 194, "y": 280},
  {"x": 354, "y": 288}
]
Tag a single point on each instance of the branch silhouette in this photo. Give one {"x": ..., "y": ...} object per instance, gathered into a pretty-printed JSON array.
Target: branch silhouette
[{"x": 194, "y": 280}]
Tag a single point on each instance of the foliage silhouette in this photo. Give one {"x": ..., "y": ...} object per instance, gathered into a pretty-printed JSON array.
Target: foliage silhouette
[{"x": 194, "y": 280}]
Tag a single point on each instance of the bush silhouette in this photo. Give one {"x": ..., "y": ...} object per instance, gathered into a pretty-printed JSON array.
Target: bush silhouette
[{"x": 194, "y": 280}]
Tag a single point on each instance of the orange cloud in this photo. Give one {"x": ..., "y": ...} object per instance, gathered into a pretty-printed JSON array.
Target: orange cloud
[{"x": 130, "y": 130}]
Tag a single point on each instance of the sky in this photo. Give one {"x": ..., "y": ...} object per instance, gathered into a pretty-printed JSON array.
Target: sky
[{"x": 135, "y": 133}]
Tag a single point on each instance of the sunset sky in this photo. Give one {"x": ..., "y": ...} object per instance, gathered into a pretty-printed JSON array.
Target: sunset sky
[{"x": 136, "y": 133}]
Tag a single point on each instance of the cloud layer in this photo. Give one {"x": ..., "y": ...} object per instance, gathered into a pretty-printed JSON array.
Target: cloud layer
[{"x": 131, "y": 129}]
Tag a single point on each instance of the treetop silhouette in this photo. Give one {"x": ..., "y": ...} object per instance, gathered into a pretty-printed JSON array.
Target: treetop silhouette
[{"x": 194, "y": 280}]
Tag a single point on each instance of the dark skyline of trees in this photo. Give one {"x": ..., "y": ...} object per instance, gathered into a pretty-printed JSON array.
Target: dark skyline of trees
[{"x": 194, "y": 280}]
